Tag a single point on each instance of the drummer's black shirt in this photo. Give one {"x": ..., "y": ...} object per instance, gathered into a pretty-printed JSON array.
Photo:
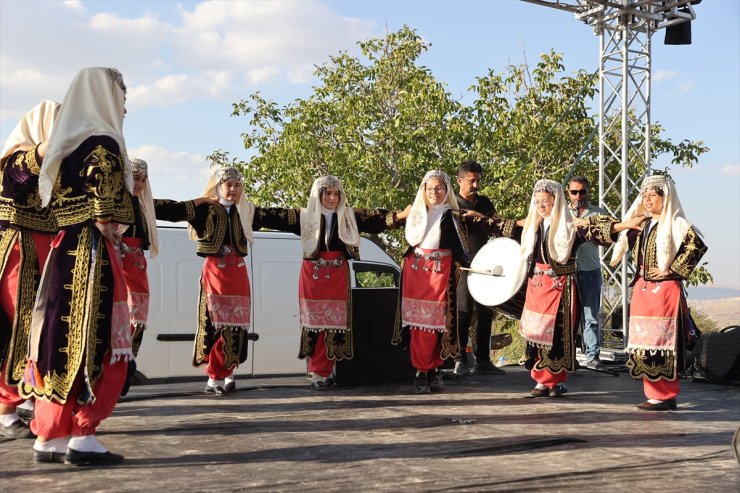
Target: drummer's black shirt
[{"x": 476, "y": 239}]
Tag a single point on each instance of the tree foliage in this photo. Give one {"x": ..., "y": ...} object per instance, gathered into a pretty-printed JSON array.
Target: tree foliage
[{"x": 381, "y": 120}]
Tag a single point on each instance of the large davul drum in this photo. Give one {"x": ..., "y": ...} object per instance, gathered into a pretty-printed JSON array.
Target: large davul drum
[{"x": 497, "y": 277}]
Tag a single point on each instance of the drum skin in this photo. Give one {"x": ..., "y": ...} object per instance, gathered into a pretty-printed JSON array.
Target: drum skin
[{"x": 505, "y": 292}]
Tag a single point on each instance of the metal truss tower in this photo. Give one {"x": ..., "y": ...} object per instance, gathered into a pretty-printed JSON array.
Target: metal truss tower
[{"x": 624, "y": 28}]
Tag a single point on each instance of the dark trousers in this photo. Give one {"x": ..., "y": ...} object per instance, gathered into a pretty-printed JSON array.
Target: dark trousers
[{"x": 465, "y": 306}]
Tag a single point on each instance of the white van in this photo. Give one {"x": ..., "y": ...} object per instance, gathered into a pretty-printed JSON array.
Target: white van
[{"x": 274, "y": 264}]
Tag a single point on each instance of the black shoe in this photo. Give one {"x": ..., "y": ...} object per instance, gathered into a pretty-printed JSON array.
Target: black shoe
[
  {"x": 48, "y": 457},
  {"x": 435, "y": 381},
  {"x": 535, "y": 392},
  {"x": 18, "y": 429},
  {"x": 230, "y": 388},
  {"x": 217, "y": 390},
  {"x": 331, "y": 382},
  {"x": 77, "y": 458},
  {"x": 461, "y": 369},
  {"x": 319, "y": 385},
  {"x": 422, "y": 384},
  {"x": 24, "y": 413},
  {"x": 668, "y": 405},
  {"x": 557, "y": 390},
  {"x": 487, "y": 369},
  {"x": 595, "y": 364}
]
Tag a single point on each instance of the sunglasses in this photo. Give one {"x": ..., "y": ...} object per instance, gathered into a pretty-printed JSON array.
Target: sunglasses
[{"x": 578, "y": 192}]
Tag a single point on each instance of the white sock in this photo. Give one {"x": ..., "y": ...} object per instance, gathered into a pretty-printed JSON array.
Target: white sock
[
  {"x": 654, "y": 401},
  {"x": 215, "y": 383},
  {"x": 54, "y": 445},
  {"x": 230, "y": 379},
  {"x": 8, "y": 419},
  {"x": 317, "y": 378},
  {"x": 86, "y": 443},
  {"x": 540, "y": 386}
]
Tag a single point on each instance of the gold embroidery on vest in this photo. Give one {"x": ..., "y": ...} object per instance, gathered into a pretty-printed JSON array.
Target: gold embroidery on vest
[
  {"x": 28, "y": 277},
  {"x": 199, "y": 347}
]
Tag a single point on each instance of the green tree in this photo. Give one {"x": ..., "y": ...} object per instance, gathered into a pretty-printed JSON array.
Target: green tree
[
  {"x": 704, "y": 322},
  {"x": 378, "y": 123},
  {"x": 381, "y": 120},
  {"x": 525, "y": 124}
]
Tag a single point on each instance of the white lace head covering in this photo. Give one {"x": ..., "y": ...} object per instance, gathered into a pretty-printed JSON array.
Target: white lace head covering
[
  {"x": 671, "y": 228},
  {"x": 416, "y": 224},
  {"x": 34, "y": 128},
  {"x": 245, "y": 208},
  {"x": 146, "y": 202},
  {"x": 93, "y": 105},
  {"x": 311, "y": 217},
  {"x": 561, "y": 235}
]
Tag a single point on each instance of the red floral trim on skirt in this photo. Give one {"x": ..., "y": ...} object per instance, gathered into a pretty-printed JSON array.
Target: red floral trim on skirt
[
  {"x": 120, "y": 322},
  {"x": 654, "y": 312},
  {"x": 541, "y": 304},
  {"x": 424, "y": 290},
  {"x": 137, "y": 281},
  {"x": 228, "y": 296},
  {"x": 323, "y": 292}
]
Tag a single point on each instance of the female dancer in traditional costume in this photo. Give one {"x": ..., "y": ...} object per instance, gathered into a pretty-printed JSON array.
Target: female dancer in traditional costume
[
  {"x": 28, "y": 229},
  {"x": 330, "y": 234},
  {"x": 80, "y": 340},
  {"x": 430, "y": 271},
  {"x": 664, "y": 251}
]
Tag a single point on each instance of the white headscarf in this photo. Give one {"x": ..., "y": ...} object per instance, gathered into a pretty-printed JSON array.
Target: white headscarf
[
  {"x": 311, "y": 217},
  {"x": 93, "y": 105},
  {"x": 424, "y": 218},
  {"x": 146, "y": 202},
  {"x": 561, "y": 235},
  {"x": 245, "y": 209},
  {"x": 672, "y": 224},
  {"x": 34, "y": 128}
]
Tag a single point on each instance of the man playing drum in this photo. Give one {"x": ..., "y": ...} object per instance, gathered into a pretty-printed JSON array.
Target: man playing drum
[{"x": 469, "y": 176}]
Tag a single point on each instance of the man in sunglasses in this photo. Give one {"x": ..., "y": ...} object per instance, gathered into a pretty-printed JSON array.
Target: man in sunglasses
[{"x": 588, "y": 272}]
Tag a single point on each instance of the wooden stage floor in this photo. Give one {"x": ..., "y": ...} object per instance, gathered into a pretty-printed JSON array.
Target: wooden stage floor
[{"x": 480, "y": 434}]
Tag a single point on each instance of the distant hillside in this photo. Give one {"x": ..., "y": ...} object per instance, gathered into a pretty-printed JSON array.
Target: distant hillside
[
  {"x": 712, "y": 293},
  {"x": 724, "y": 311}
]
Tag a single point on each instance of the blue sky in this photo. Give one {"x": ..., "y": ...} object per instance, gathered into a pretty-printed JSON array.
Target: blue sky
[{"x": 186, "y": 62}]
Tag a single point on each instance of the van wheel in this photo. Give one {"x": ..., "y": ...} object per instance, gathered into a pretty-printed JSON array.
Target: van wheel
[{"x": 139, "y": 379}]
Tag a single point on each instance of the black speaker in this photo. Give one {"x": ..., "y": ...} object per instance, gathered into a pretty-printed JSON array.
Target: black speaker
[
  {"x": 678, "y": 34},
  {"x": 375, "y": 360},
  {"x": 717, "y": 355}
]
